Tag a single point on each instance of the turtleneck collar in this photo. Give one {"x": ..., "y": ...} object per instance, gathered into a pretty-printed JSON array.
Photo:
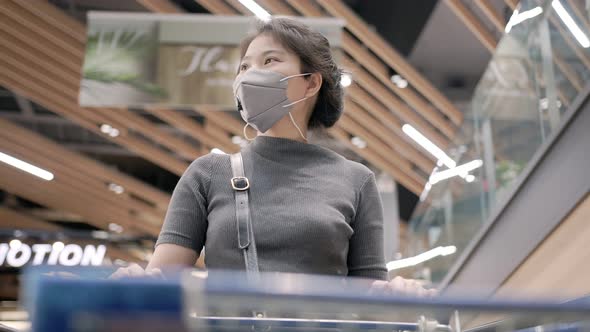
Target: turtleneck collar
[{"x": 278, "y": 149}]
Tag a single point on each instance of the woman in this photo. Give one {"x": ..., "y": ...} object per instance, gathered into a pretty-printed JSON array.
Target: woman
[{"x": 312, "y": 211}]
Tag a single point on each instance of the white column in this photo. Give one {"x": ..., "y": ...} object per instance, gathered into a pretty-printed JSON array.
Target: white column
[{"x": 388, "y": 191}]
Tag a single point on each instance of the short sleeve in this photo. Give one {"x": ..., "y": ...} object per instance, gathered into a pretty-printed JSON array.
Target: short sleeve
[
  {"x": 185, "y": 223},
  {"x": 365, "y": 253}
]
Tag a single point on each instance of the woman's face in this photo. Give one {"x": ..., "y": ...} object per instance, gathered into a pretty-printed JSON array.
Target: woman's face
[{"x": 264, "y": 52}]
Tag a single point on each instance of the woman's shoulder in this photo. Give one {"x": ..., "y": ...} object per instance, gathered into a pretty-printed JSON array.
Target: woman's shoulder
[
  {"x": 355, "y": 170},
  {"x": 359, "y": 169},
  {"x": 205, "y": 164}
]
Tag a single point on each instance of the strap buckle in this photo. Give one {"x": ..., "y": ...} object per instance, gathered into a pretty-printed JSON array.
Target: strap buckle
[{"x": 240, "y": 183}]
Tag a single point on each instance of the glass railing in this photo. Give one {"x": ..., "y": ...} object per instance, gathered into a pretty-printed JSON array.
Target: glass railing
[{"x": 540, "y": 66}]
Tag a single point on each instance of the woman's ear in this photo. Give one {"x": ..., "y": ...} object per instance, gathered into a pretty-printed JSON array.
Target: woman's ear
[{"x": 314, "y": 84}]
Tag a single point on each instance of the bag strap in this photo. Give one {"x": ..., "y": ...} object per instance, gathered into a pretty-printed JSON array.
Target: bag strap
[{"x": 241, "y": 185}]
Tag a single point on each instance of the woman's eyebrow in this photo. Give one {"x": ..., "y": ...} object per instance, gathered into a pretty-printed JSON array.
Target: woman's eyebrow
[
  {"x": 265, "y": 53},
  {"x": 273, "y": 51}
]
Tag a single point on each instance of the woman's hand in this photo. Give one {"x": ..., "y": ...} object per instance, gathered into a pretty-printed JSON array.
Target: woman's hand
[
  {"x": 166, "y": 255},
  {"x": 136, "y": 271},
  {"x": 401, "y": 286}
]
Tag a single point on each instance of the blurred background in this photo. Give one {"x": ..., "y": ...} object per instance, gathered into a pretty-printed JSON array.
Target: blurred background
[{"x": 472, "y": 114}]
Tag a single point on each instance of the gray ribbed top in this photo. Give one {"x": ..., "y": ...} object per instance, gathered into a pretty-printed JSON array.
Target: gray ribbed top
[{"x": 313, "y": 211}]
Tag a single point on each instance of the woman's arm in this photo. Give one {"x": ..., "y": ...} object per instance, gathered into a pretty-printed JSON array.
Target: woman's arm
[
  {"x": 172, "y": 255},
  {"x": 365, "y": 250},
  {"x": 183, "y": 233}
]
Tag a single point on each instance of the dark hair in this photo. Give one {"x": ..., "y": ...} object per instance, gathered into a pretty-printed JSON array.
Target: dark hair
[{"x": 313, "y": 49}]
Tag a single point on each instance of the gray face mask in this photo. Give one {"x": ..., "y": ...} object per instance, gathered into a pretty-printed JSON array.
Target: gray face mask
[{"x": 262, "y": 98}]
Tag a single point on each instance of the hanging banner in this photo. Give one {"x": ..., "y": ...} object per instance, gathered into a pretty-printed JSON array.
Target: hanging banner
[{"x": 175, "y": 61}]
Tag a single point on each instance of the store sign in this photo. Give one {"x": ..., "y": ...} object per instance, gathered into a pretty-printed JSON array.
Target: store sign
[
  {"x": 174, "y": 61},
  {"x": 20, "y": 254}
]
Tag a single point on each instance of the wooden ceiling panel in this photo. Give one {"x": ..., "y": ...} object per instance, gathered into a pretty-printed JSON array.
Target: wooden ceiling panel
[
  {"x": 14, "y": 220},
  {"x": 57, "y": 195},
  {"x": 489, "y": 11},
  {"x": 474, "y": 25}
]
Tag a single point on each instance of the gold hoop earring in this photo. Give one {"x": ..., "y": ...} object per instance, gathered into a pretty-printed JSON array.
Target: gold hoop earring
[{"x": 246, "y": 135}]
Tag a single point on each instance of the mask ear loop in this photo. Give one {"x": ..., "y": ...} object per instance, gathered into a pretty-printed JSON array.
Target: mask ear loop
[
  {"x": 298, "y": 129},
  {"x": 296, "y": 75},
  {"x": 292, "y": 120},
  {"x": 295, "y": 102},
  {"x": 246, "y": 134}
]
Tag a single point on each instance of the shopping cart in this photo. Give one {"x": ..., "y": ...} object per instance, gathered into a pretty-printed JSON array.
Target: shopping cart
[{"x": 233, "y": 301}]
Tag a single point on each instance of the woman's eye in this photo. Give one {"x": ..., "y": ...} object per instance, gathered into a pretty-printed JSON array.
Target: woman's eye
[
  {"x": 243, "y": 67},
  {"x": 267, "y": 61}
]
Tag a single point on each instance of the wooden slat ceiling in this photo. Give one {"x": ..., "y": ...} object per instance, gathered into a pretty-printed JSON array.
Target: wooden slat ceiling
[
  {"x": 41, "y": 54},
  {"x": 12, "y": 219},
  {"x": 80, "y": 185},
  {"x": 471, "y": 21}
]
